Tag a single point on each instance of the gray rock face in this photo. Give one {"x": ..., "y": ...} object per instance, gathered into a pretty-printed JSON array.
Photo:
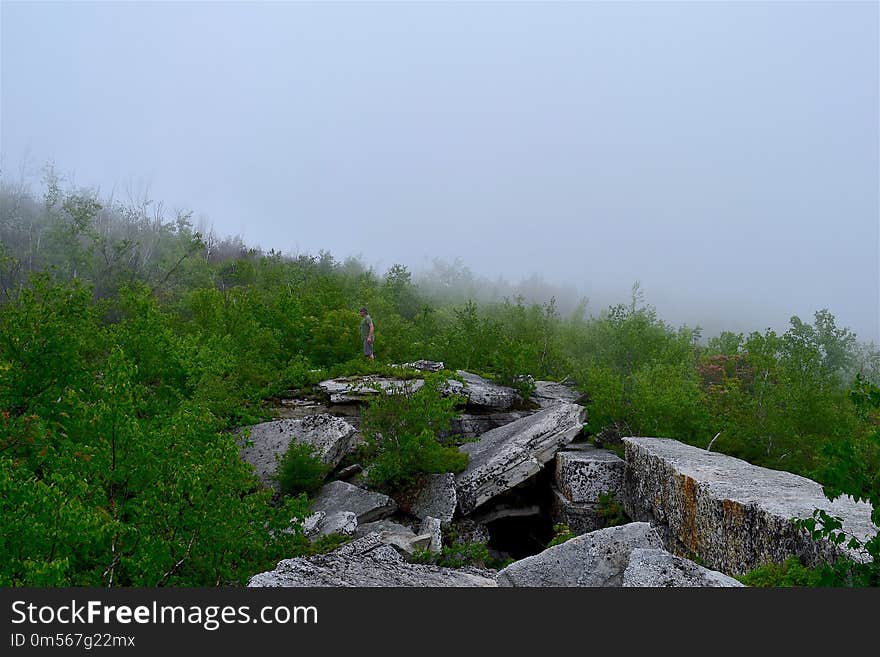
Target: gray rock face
[
  {"x": 659, "y": 568},
  {"x": 550, "y": 393},
  {"x": 580, "y": 517},
  {"x": 468, "y": 531},
  {"x": 431, "y": 526},
  {"x": 595, "y": 559},
  {"x": 332, "y": 437},
  {"x": 481, "y": 392},
  {"x": 341, "y": 496},
  {"x": 437, "y": 498},
  {"x": 367, "y": 562},
  {"x": 360, "y": 388},
  {"x": 734, "y": 515},
  {"x": 322, "y": 524},
  {"x": 582, "y": 475},
  {"x": 505, "y": 457}
]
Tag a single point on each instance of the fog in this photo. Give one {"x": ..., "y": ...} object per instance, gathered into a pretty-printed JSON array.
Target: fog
[{"x": 724, "y": 155}]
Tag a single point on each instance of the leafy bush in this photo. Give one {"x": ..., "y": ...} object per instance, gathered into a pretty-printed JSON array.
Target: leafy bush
[
  {"x": 401, "y": 434},
  {"x": 300, "y": 470}
]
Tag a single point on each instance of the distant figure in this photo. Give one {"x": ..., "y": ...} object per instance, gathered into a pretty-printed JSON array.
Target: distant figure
[{"x": 367, "y": 333}]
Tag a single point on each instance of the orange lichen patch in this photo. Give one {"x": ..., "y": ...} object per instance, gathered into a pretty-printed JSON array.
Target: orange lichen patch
[
  {"x": 734, "y": 512},
  {"x": 689, "y": 534}
]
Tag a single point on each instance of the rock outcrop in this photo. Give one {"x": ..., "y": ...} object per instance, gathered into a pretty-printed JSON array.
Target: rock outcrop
[
  {"x": 330, "y": 436},
  {"x": 733, "y": 515},
  {"x": 595, "y": 559},
  {"x": 341, "y": 496},
  {"x": 650, "y": 567},
  {"x": 367, "y": 562},
  {"x": 507, "y": 456}
]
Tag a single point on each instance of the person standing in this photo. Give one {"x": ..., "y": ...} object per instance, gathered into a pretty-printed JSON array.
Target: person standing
[{"x": 367, "y": 333}]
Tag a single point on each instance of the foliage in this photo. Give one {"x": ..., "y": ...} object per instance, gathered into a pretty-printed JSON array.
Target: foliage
[
  {"x": 402, "y": 433},
  {"x": 459, "y": 555},
  {"x": 611, "y": 510},
  {"x": 787, "y": 574},
  {"x": 130, "y": 345},
  {"x": 300, "y": 470},
  {"x": 561, "y": 533}
]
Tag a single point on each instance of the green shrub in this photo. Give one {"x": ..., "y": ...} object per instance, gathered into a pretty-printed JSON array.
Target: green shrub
[
  {"x": 300, "y": 470},
  {"x": 789, "y": 573},
  {"x": 459, "y": 555},
  {"x": 401, "y": 434},
  {"x": 561, "y": 533},
  {"x": 611, "y": 510}
]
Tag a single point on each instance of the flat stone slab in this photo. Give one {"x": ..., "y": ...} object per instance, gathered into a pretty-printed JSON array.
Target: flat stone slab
[
  {"x": 734, "y": 515},
  {"x": 549, "y": 393},
  {"x": 367, "y": 562},
  {"x": 422, "y": 365},
  {"x": 507, "y": 456},
  {"x": 583, "y": 475},
  {"x": 361, "y": 388},
  {"x": 659, "y": 568},
  {"x": 341, "y": 496},
  {"x": 476, "y": 390},
  {"x": 595, "y": 559},
  {"x": 330, "y": 436}
]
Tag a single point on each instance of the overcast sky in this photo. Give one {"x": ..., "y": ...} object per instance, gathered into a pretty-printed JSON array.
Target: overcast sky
[{"x": 725, "y": 155}]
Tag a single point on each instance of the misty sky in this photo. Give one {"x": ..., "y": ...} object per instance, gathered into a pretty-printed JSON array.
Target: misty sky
[{"x": 725, "y": 155}]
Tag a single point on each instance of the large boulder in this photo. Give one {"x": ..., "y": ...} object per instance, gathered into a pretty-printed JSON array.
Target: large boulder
[
  {"x": 507, "y": 456},
  {"x": 651, "y": 567},
  {"x": 330, "y": 436},
  {"x": 341, "y": 496},
  {"x": 367, "y": 562},
  {"x": 550, "y": 393},
  {"x": 733, "y": 515},
  {"x": 595, "y": 559}
]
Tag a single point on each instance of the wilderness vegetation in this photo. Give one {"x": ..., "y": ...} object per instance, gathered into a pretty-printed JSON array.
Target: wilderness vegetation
[{"x": 132, "y": 346}]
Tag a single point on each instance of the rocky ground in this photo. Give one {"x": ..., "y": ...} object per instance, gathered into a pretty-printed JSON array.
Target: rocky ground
[{"x": 530, "y": 470}]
